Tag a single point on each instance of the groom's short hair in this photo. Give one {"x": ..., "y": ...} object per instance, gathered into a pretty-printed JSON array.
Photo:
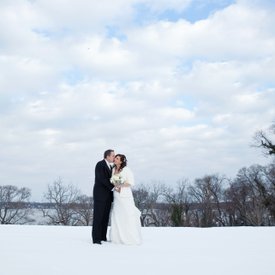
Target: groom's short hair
[{"x": 108, "y": 153}]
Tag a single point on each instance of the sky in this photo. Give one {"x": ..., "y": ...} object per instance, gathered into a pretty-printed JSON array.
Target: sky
[
  {"x": 180, "y": 87},
  {"x": 69, "y": 250}
]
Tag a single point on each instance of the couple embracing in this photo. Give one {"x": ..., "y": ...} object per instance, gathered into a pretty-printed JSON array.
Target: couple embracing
[{"x": 112, "y": 194}]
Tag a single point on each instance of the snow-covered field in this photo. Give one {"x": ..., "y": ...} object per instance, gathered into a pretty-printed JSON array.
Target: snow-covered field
[{"x": 52, "y": 250}]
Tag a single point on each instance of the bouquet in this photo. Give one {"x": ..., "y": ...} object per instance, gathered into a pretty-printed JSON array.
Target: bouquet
[{"x": 117, "y": 180}]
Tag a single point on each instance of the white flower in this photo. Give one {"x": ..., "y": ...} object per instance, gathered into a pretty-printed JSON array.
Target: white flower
[{"x": 117, "y": 179}]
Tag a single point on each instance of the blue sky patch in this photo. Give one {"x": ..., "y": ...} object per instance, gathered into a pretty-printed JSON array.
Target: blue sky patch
[
  {"x": 73, "y": 76},
  {"x": 114, "y": 32},
  {"x": 197, "y": 10}
]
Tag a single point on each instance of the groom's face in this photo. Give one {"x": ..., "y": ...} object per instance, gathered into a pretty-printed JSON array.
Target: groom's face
[{"x": 111, "y": 157}]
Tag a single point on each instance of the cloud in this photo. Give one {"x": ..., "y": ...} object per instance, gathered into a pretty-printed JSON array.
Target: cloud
[{"x": 180, "y": 98}]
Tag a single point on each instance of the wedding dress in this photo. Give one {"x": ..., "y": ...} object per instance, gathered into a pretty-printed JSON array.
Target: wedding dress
[{"x": 125, "y": 216}]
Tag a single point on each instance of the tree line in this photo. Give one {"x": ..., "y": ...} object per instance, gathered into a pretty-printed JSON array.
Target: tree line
[{"x": 213, "y": 200}]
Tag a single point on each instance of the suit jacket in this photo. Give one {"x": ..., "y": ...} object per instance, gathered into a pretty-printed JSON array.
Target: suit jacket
[{"x": 102, "y": 186}]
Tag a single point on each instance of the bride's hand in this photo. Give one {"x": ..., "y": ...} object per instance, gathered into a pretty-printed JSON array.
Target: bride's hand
[{"x": 117, "y": 189}]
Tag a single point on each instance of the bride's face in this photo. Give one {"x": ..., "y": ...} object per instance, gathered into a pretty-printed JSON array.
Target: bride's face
[{"x": 117, "y": 161}]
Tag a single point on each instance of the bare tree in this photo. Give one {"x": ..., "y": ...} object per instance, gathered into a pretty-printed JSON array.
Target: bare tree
[
  {"x": 264, "y": 141},
  {"x": 13, "y": 208},
  {"x": 237, "y": 196},
  {"x": 248, "y": 193},
  {"x": 63, "y": 200},
  {"x": 146, "y": 199},
  {"x": 269, "y": 198},
  {"x": 84, "y": 210},
  {"x": 207, "y": 193},
  {"x": 179, "y": 204}
]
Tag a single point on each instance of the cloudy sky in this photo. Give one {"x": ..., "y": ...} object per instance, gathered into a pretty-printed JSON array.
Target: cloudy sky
[{"x": 179, "y": 86}]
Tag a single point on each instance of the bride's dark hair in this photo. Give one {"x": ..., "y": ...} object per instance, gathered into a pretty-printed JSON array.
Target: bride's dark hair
[{"x": 123, "y": 161}]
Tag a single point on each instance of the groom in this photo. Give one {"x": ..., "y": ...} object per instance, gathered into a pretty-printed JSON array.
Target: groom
[{"x": 103, "y": 197}]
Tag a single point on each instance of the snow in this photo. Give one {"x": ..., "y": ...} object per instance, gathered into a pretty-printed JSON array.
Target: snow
[{"x": 64, "y": 250}]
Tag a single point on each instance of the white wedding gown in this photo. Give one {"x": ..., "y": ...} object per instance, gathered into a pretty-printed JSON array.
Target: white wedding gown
[{"x": 125, "y": 216}]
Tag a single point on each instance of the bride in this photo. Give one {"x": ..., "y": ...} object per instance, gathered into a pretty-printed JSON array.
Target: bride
[{"x": 125, "y": 217}]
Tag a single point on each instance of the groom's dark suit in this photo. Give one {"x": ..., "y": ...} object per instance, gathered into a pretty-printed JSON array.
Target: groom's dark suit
[{"x": 103, "y": 197}]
